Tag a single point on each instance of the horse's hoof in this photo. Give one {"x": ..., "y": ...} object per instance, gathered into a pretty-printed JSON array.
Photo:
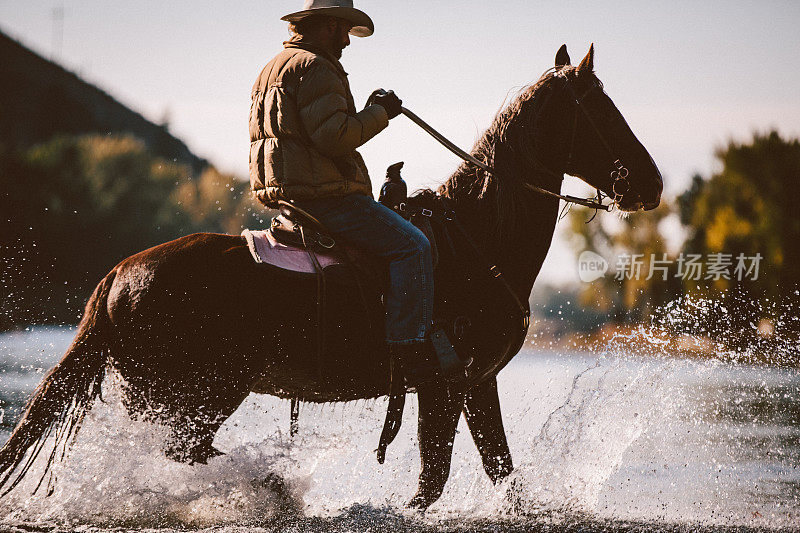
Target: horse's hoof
[
  {"x": 420, "y": 502},
  {"x": 204, "y": 454},
  {"x": 277, "y": 485},
  {"x": 416, "y": 504}
]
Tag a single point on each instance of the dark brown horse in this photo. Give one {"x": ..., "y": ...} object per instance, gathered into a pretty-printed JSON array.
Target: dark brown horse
[{"x": 194, "y": 325}]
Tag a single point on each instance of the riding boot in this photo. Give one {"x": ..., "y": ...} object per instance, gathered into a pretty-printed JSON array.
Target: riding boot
[{"x": 417, "y": 362}]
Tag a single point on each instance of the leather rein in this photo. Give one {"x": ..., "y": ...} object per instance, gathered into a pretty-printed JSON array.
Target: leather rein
[{"x": 619, "y": 175}]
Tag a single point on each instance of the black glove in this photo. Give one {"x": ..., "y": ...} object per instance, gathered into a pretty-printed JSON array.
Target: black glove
[
  {"x": 387, "y": 100},
  {"x": 371, "y": 99}
]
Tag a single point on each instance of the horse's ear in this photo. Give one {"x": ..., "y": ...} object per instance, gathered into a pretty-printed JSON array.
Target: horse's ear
[
  {"x": 562, "y": 57},
  {"x": 587, "y": 65}
]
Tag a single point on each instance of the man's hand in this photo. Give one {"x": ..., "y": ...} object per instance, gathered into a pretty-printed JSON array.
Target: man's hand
[{"x": 387, "y": 100}]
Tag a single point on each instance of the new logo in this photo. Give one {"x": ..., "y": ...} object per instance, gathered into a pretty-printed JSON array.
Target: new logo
[{"x": 591, "y": 266}]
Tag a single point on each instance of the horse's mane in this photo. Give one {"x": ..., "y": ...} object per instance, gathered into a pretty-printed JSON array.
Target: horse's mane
[{"x": 508, "y": 146}]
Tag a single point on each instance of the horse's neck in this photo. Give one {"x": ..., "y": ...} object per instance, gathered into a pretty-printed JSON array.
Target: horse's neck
[
  {"x": 526, "y": 220},
  {"x": 521, "y": 252},
  {"x": 521, "y": 257}
]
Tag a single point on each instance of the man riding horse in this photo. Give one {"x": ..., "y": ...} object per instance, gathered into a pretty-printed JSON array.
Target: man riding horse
[
  {"x": 304, "y": 131},
  {"x": 191, "y": 340}
]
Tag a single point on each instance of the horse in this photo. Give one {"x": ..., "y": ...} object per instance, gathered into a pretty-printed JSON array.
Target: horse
[{"x": 194, "y": 325}]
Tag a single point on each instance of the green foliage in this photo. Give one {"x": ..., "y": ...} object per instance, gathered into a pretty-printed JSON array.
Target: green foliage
[
  {"x": 750, "y": 206},
  {"x": 75, "y": 206}
]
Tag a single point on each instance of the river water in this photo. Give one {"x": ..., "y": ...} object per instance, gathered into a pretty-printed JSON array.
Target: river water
[{"x": 615, "y": 442}]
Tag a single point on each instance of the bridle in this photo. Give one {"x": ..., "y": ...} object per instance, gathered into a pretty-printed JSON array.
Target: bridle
[{"x": 619, "y": 175}]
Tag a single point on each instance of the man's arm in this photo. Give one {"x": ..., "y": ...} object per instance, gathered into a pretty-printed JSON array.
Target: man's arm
[{"x": 322, "y": 103}]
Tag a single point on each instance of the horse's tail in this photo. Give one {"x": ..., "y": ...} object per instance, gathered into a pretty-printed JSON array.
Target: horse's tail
[{"x": 60, "y": 403}]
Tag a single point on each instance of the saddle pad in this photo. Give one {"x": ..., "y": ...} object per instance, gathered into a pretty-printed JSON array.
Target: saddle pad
[{"x": 265, "y": 249}]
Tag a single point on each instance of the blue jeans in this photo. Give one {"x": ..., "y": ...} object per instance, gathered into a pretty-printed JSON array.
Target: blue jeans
[{"x": 369, "y": 226}]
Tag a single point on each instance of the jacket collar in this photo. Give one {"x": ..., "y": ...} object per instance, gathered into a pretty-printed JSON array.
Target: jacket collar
[{"x": 298, "y": 41}]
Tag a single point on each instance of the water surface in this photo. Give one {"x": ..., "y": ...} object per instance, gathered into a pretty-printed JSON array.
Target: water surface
[{"x": 617, "y": 442}]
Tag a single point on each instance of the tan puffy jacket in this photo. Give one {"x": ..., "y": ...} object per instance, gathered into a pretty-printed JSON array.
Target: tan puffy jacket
[{"x": 304, "y": 129}]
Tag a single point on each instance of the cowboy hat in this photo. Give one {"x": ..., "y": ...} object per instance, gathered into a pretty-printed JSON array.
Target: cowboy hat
[{"x": 343, "y": 9}]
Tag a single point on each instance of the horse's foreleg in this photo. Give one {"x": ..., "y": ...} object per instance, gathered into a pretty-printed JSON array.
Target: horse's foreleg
[
  {"x": 482, "y": 411},
  {"x": 439, "y": 409}
]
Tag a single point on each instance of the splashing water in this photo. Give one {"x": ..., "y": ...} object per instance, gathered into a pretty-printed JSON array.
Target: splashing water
[
  {"x": 117, "y": 475},
  {"x": 630, "y": 434},
  {"x": 583, "y": 441}
]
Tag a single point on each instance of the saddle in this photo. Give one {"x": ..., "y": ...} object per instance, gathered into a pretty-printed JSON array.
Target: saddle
[
  {"x": 296, "y": 232},
  {"x": 296, "y": 229}
]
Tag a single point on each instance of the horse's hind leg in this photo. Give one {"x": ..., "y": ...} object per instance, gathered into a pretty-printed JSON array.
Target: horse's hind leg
[
  {"x": 439, "y": 409},
  {"x": 191, "y": 438},
  {"x": 482, "y": 411},
  {"x": 196, "y": 422}
]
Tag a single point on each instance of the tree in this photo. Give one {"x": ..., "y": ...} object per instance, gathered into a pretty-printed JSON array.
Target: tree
[
  {"x": 217, "y": 200},
  {"x": 749, "y": 209},
  {"x": 75, "y": 206}
]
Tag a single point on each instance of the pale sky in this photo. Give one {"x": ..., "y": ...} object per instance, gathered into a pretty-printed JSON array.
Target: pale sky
[{"x": 687, "y": 75}]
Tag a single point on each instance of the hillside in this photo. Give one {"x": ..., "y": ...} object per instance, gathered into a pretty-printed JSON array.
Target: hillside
[
  {"x": 39, "y": 100},
  {"x": 84, "y": 183}
]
